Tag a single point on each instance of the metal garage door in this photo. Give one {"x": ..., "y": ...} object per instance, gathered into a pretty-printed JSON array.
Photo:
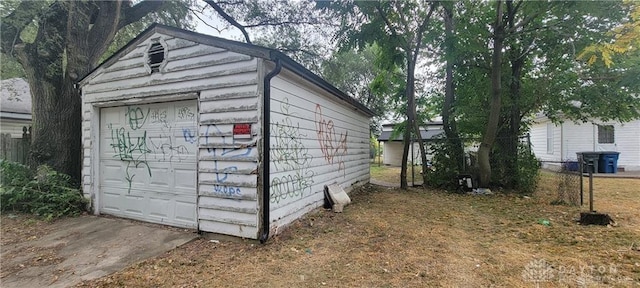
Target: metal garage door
[{"x": 148, "y": 162}]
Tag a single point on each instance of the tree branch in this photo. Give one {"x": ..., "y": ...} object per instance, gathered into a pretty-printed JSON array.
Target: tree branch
[
  {"x": 279, "y": 23},
  {"x": 523, "y": 23},
  {"x": 195, "y": 13},
  {"x": 229, "y": 19},
  {"x": 13, "y": 24},
  {"x": 421, "y": 29},
  {"x": 391, "y": 28},
  {"x": 136, "y": 12}
]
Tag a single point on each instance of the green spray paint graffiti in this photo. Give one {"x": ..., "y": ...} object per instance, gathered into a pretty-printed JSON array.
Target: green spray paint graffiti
[
  {"x": 133, "y": 151},
  {"x": 132, "y": 145}
]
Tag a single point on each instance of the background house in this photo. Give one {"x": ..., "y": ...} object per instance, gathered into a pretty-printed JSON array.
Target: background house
[
  {"x": 195, "y": 131},
  {"x": 15, "y": 120},
  {"x": 15, "y": 107},
  {"x": 392, "y": 146},
  {"x": 553, "y": 143}
]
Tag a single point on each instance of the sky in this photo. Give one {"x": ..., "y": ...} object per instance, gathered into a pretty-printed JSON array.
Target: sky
[{"x": 231, "y": 33}]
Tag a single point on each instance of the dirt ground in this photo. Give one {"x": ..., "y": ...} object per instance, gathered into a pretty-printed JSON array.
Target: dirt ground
[{"x": 420, "y": 238}]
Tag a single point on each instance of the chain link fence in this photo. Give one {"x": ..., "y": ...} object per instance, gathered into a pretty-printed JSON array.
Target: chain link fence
[{"x": 568, "y": 177}]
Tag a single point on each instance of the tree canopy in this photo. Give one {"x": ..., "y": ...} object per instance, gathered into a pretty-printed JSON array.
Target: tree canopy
[{"x": 486, "y": 67}]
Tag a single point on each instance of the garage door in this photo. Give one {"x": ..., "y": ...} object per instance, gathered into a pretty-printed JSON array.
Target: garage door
[{"x": 148, "y": 162}]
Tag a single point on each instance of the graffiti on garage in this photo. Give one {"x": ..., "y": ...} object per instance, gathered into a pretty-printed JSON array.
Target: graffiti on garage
[{"x": 289, "y": 154}]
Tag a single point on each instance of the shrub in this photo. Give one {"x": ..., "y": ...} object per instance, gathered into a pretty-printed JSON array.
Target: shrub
[
  {"x": 528, "y": 170},
  {"x": 445, "y": 167},
  {"x": 47, "y": 194}
]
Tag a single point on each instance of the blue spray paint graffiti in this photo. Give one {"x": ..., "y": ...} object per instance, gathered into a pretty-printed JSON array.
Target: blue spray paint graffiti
[
  {"x": 188, "y": 135},
  {"x": 223, "y": 188}
]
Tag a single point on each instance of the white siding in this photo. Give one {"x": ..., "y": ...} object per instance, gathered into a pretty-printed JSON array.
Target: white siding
[
  {"x": 315, "y": 141},
  {"x": 539, "y": 134},
  {"x": 14, "y": 127},
  {"x": 227, "y": 201},
  {"x": 392, "y": 153},
  {"x": 628, "y": 141},
  {"x": 570, "y": 138},
  {"x": 576, "y": 138}
]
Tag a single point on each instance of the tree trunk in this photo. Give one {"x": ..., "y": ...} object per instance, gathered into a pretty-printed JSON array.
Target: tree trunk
[
  {"x": 56, "y": 138},
  {"x": 410, "y": 124},
  {"x": 508, "y": 134},
  {"x": 509, "y": 143},
  {"x": 415, "y": 126},
  {"x": 423, "y": 152},
  {"x": 71, "y": 38},
  {"x": 406, "y": 140},
  {"x": 495, "y": 102},
  {"x": 448, "y": 122},
  {"x": 57, "y": 103}
]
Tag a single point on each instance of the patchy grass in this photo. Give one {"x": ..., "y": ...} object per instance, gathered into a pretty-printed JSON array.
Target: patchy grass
[
  {"x": 418, "y": 238},
  {"x": 391, "y": 174}
]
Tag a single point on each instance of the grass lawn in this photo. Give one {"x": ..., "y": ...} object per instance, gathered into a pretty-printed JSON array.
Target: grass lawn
[
  {"x": 391, "y": 174},
  {"x": 418, "y": 238}
]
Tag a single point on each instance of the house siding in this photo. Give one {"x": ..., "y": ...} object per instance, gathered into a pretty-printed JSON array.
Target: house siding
[
  {"x": 570, "y": 138},
  {"x": 14, "y": 127},
  {"x": 315, "y": 141},
  {"x": 539, "y": 132},
  {"x": 627, "y": 139}
]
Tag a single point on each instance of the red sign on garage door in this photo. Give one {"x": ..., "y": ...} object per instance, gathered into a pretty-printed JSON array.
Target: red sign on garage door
[{"x": 241, "y": 131}]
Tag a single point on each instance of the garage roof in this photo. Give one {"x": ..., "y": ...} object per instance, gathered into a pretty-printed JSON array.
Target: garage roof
[
  {"x": 426, "y": 135},
  {"x": 235, "y": 46}
]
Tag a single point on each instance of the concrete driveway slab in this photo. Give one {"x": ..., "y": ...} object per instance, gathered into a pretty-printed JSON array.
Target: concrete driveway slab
[{"x": 85, "y": 248}]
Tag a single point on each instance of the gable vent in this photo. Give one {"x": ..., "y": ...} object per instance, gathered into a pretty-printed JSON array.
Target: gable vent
[{"x": 155, "y": 57}]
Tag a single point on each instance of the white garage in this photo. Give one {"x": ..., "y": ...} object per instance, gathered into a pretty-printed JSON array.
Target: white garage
[{"x": 195, "y": 131}]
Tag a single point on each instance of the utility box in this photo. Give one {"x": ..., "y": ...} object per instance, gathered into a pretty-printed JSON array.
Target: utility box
[
  {"x": 608, "y": 162},
  {"x": 589, "y": 157}
]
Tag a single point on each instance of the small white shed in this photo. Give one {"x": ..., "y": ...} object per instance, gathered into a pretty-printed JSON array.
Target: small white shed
[
  {"x": 393, "y": 147},
  {"x": 177, "y": 127}
]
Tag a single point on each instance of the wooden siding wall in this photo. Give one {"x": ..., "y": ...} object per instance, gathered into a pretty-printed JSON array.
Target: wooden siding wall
[
  {"x": 315, "y": 142},
  {"x": 227, "y": 84}
]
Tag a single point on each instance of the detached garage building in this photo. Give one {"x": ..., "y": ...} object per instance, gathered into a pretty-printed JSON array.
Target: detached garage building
[{"x": 177, "y": 127}]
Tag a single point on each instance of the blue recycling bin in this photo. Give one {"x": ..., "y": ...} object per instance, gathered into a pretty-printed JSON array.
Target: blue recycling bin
[
  {"x": 608, "y": 162},
  {"x": 573, "y": 166}
]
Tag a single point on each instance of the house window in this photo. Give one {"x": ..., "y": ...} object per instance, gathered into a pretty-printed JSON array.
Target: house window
[
  {"x": 550, "y": 127},
  {"x": 155, "y": 57},
  {"x": 606, "y": 134}
]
